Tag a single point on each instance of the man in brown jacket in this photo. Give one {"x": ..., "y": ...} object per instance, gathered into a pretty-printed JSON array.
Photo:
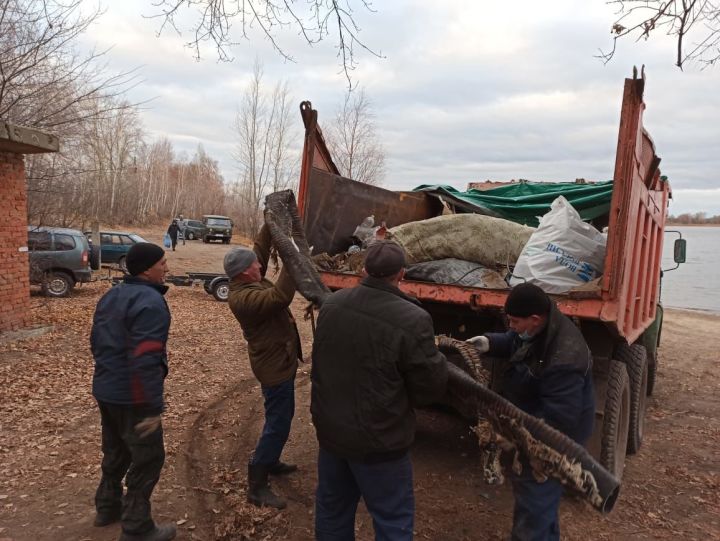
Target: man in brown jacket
[{"x": 273, "y": 342}]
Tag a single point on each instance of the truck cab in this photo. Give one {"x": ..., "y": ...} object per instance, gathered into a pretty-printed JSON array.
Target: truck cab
[{"x": 217, "y": 227}]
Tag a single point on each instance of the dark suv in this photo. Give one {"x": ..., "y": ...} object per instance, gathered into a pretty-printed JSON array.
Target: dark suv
[
  {"x": 217, "y": 228},
  {"x": 193, "y": 229},
  {"x": 59, "y": 258}
]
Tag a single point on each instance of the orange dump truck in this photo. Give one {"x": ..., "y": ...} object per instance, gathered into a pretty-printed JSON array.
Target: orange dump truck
[{"x": 620, "y": 319}]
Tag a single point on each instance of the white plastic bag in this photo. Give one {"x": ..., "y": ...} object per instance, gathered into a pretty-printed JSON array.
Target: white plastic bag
[{"x": 562, "y": 253}]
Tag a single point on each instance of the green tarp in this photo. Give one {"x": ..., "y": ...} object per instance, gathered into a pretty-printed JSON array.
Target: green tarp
[{"x": 524, "y": 202}]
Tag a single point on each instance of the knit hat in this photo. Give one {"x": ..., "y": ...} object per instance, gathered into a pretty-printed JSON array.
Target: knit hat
[
  {"x": 142, "y": 256},
  {"x": 527, "y": 300},
  {"x": 384, "y": 258},
  {"x": 237, "y": 261}
]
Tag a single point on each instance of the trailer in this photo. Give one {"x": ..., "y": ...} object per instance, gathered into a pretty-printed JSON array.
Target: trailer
[
  {"x": 216, "y": 284},
  {"x": 621, "y": 319}
]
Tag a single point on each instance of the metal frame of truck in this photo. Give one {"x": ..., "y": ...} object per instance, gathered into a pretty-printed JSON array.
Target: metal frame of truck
[{"x": 621, "y": 320}]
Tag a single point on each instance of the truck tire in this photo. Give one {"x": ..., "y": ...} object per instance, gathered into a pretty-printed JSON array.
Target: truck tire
[
  {"x": 57, "y": 284},
  {"x": 636, "y": 363},
  {"x": 190, "y": 235},
  {"x": 616, "y": 421},
  {"x": 221, "y": 290},
  {"x": 122, "y": 263}
]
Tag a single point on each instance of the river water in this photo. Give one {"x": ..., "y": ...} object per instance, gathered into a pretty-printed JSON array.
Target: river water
[{"x": 696, "y": 283}]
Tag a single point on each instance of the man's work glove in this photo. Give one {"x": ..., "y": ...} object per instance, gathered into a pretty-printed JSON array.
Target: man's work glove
[
  {"x": 148, "y": 425},
  {"x": 481, "y": 343}
]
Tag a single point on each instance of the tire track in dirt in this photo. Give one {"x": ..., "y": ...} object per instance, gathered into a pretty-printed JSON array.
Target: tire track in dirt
[{"x": 219, "y": 442}]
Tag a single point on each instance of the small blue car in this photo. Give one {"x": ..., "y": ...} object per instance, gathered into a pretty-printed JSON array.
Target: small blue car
[{"x": 114, "y": 246}]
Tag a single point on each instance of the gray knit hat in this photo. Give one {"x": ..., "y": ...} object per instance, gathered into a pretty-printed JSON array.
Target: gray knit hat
[{"x": 237, "y": 261}]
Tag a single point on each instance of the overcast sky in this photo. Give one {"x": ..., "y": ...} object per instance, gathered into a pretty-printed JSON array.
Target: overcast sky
[{"x": 465, "y": 92}]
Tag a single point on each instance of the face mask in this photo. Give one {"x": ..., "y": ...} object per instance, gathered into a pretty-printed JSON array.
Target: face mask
[{"x": 524, "y": 336}]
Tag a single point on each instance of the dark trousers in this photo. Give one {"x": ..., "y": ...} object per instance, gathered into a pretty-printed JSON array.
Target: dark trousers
[
  {"x": 535, "y": 517},
  {"x": 127, "y": 455},
  {"x": 279, "y": 411},
  {"x": 386, "y": 488}
]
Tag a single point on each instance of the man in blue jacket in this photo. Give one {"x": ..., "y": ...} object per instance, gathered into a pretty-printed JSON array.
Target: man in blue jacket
[
  {"x": 128, "y": 341},
  {"x": 546, "y": 370}
]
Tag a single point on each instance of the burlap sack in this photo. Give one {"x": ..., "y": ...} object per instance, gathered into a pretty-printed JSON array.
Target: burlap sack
[{"x": 492, "y": 242}]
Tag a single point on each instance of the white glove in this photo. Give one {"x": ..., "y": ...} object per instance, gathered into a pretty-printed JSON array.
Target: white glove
[
  {"x": 481, "y": 343},
  {"x": 148, "y": 425}
]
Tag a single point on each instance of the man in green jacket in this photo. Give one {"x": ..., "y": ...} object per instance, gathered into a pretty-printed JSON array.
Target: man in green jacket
[{"x": 274, "y": 349}]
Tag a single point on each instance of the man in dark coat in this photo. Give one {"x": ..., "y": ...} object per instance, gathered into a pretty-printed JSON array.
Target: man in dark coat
[
  {"x": 374, "y": 359},
  {"x": 546, "y": 370},
  {"x": 173, "y": 232},
  {"x": 273, "y": 342},
  {"x": 128, "y": 342}
]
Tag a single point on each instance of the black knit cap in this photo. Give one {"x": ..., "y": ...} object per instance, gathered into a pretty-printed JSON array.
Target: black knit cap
[
  {"x": 527, "y": 300},
  {"x": 142, "y": 256},
  {"x": 384, "y": 258}
]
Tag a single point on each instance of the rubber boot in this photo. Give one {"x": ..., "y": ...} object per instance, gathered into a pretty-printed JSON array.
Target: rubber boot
[
  {"x": 259, "y": 492},
  {"x": 280, "y": 468},
  {"x": 164, "y": 532}
]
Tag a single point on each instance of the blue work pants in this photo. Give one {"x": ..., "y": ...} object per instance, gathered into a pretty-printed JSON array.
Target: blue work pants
[
  {"x": 279, "y": 411},
  {"x": 386, "y": 488},
  {"x": 535, "y": 517}
]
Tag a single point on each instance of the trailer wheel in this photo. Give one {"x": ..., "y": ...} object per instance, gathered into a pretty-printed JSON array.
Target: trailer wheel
[
  {"x": 636, "y": 362},
  {"x": 616, "y": 421},
  {"x": 221, "y": 290}
]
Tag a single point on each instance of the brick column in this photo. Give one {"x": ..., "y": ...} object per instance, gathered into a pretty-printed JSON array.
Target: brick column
[{"x": 14, "y": 267}]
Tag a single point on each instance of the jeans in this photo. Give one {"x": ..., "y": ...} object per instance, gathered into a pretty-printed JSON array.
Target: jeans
[
  {"x": 279, "y": 411},
  {"x": 535, "y": 517},
  {"x": 127, "y": 455},
  {"x": 386, "y": 488}
]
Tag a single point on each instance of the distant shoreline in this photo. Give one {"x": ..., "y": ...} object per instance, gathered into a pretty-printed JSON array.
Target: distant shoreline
[{"x": 690, "y": 225}]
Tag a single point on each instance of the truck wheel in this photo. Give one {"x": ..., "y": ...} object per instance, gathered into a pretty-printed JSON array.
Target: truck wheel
[
  {"x": 221, "y": 291},
  {"x": 652, "y": 372},
  {"x": 57, "y": 284},
  {"x": 616, "y": 420},
  {"x": 123, "y": 265},
  {"x": 190, "y": 235},
  {"x": 636, "y": 362}
]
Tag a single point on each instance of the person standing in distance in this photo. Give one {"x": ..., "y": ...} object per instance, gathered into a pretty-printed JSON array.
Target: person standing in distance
[
  {"x": 545, "y": 368},
  {"x": 374, "y": 359},
  {"x": 273, "y": 343},
  {"x": 128, "y": 342}
]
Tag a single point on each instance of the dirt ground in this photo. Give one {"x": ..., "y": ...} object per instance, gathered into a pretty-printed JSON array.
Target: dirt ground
[{"x": 50, "y": 434}]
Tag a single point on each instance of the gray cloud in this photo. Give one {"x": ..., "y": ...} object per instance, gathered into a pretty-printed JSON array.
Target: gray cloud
[{"x": 465, "y": 93}]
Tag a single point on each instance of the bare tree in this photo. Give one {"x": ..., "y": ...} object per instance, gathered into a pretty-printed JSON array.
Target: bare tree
[
  {"x": 353, "y": 142},
  {"x": 263, "y": 152},
  {"x": 44, "y": 81},
  {"x": 694, "y": 21},
  {"x": 315, "y": 21}
]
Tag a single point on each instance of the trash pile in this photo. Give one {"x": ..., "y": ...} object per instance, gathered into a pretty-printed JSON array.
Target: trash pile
[{"x": 563, "y": 253}]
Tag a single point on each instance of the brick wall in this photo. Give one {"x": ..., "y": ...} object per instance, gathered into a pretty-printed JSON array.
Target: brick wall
[{"x": 14, "y": 268}]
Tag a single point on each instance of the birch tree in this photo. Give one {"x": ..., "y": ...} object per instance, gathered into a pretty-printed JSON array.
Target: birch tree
[
  {"x": 353, "y": 142},
  {"x": 263, "y": 151}
]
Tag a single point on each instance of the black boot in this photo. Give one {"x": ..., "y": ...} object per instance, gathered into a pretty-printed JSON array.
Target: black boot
[
  {"x": 164, "y": 532},
  {"x": 259, "y": 492},
  {"x": 280, "y": 468}
]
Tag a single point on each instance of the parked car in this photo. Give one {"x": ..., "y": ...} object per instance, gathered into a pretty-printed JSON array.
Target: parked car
[
  {"x": 114, "y": 246},
  {"x": 217, "y": 228},
  {"x": 59, "y": 259},
  {"x": 194, "y": 229}
]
